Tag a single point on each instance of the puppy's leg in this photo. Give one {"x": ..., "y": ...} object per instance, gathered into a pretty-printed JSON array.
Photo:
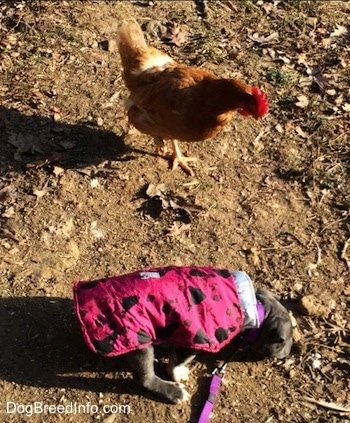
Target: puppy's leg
[
  {"x": 142, "y": 361},
  {"x": 178, "y": 361}
]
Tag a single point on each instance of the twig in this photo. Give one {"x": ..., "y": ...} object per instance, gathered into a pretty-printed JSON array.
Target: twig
[
  {"x": 343, "y": 253},
  {"x": 228, "y": 5},
  {"x": 313, "y": 266},
  {"x": 330, "y": 405}
]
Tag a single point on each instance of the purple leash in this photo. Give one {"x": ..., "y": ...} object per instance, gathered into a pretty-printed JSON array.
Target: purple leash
[
  {"x": 249, "y": 336},
  {"x": 218, "y": 374}
]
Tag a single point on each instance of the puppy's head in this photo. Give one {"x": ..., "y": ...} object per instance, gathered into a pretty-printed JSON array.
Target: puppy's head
[{"x": 276, "y": 337}]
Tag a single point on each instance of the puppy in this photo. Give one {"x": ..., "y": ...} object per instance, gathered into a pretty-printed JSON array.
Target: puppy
[{"x": 192, "y": 308}]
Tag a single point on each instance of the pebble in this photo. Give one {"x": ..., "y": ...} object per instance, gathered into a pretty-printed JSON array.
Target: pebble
[
  {"x": 309, "y": 305},
  {"x": 112, "y": 46}
]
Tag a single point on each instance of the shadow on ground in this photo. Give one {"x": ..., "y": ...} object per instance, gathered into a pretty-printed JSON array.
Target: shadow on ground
[{"x": 39, "y": 141}]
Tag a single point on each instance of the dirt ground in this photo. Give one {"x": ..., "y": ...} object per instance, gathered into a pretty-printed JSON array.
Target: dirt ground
[{"x": 83, "y": 196}]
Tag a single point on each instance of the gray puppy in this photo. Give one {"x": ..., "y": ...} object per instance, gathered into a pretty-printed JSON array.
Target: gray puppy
[{"x": 191, "y": 308}]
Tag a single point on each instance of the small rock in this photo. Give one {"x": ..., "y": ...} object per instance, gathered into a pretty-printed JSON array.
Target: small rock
[
  {"x": 292, "y": 374},
  {"x": 99, "y": 121},
  {"x": 112, "y": 46},
  {"x": 309, "y": 305}
]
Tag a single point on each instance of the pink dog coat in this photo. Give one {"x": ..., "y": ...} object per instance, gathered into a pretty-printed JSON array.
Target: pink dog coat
[{"x": 195, "y": 307}]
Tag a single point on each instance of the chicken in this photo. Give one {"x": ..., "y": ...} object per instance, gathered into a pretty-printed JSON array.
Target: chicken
[{"x": 171, "y": 101}]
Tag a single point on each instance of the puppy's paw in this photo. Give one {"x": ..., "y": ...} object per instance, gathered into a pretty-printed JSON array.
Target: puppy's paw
[
  {"x": 184, "y": 396},
  {"x": 176, "y": 393},
  {"x": 181, "y": 373}
]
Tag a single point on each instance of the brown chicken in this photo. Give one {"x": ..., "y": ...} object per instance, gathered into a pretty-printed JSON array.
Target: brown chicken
[{"x": 171, "y": 101}]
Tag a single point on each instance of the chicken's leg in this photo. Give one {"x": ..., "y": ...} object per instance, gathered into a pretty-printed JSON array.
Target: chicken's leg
[{"x": 180, "y": 160}]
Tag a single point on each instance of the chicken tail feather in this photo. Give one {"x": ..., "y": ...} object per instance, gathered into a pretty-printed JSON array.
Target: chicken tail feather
[
  {"x": 131, "y": 44},
  {"x": 136, "y": 56}
]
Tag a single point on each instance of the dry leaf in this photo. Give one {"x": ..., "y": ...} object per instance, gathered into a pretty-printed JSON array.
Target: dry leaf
[
  {"x": 326, "y": 42},
  {"x": 171, "y": 200},
  {"x": 264, "y": 40},
  {"x": 94, "y": 183},
  {"x": 25, "y": 142},
  {"x": 302, "y": 133},
  {"x": 339, "y": 100},
  {"x": 321, "y": 80},
  {"x": 156, "y": 190},
  {"x": 303, "y": 101},
  {"x": 279, "y": 128},
  {"x": 176, "y": 229},
  {"x": 174, "y": 34},
  {"x": 332, "y": 92},
  {"x": 255, "y": 256},
  {"x": 346, "y": 107},
  {"x": 97, "y": 233},
  {"x": 39, "y": 192},
  {"x": 312, "y": 21},
  {"x": 340, "y": 30},
  {"x": 57, "y": 170}
]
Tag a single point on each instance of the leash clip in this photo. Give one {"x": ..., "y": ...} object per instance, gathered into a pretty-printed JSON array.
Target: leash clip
[{"x": 220, "y": 370}]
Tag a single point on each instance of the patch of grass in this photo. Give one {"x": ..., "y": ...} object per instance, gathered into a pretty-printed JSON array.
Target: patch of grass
[
  {"x": 63, "y": 34},
  {"x": 278, "y": 77}
]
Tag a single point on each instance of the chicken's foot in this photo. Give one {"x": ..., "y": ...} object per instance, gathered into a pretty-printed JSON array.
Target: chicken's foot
[
  {"x": 180, "y": 160},
  {"x": 161, "y": 147}
]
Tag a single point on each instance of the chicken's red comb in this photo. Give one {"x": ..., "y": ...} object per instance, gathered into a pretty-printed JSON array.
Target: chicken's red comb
[{"x": 261, "y": 101}]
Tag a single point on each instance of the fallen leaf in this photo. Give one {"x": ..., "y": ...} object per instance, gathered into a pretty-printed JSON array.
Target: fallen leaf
[
  {"x": 57, "y": 170},
  {"x": 171, "y": 200},
  {"x": 326, "y": 42},
  {"x": 156, "y": 190},
  {"x": 302, "y": 133},
  {"x": 9, "y": 212},
  {"x": 332, "y": 92},
  {"x": 174, "y": 34},
  {"x": 312, "y": 20},
  {"x": 255, "y": 256},
  {"x": 302, "y": 59},
  {"x": 340, "y": 30},
  {"x": 303, "y": 101},
  {"x": 177, "y": 229},
  {"x": 346, "y": 107},
  {"x": 94, "y": 183},
  {"x": 264, "y": 40},
  {"x": 339, "y": 100},
  {"x": 305, "y": 81},
  {"x": 97, "y": 233},
  {"x": 39, "y": 192},
  {"x": 25, "y": 142},
  {"x": 329, "y": 405},
  {"x": 279, "y": 128}
]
